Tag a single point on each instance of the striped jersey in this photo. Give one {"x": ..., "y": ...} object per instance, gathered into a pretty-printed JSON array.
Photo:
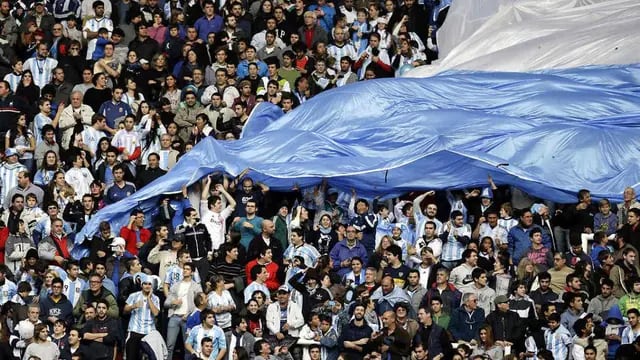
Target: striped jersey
[
  {"x": 142, "y": 320},
  {"x": 7, "y": 291},
  {"x": 306, "y": 251},
  {"x": 39, "y": 121},
  {"x": 128, "y": 140},
  {"x": 9, "y": 179},
  {"x": 13, "y": 79},
  {"x": 72, "y": 289},
  {"x": 42, "y": 70},
  {"x": 174, "y": 275},
  {"x": 215, "y": 333}
]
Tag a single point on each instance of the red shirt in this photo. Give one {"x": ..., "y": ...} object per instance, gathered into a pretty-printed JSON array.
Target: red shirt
[
  {"x": 132, "y": 238},
  {"x": 272, "y": 282}
]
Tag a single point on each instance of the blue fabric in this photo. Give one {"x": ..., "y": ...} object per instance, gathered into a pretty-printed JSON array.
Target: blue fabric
[{"x": 390, "y": 136}]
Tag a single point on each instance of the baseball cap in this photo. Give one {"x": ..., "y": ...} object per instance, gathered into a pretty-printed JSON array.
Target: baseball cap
[
  {"x": 501, "y": 299},
  {"x": 283, "y": 288},
  {"x": 10, "y": 152}
]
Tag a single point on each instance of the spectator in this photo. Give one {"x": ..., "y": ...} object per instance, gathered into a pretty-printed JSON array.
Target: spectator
[{"x": 466, "y": 319}]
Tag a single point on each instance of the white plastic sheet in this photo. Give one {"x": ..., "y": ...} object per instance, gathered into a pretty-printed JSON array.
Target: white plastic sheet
[{"x": 526, "y": 35}]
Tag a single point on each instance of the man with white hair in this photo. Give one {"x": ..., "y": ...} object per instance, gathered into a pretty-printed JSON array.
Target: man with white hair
[{"x": 77, "y": 113}]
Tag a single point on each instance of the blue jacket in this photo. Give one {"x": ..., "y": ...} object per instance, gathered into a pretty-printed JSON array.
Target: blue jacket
[
  {"x": 327, "y": 20},
  {"x": 465, "y": 326},
  {"x": 519, "y": 241},
  {"x": 341, "y": 252}
]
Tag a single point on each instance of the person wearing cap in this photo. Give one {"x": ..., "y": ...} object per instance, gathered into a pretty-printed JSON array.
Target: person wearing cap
[
  {"x": 144, "y": 307},
  {"x": 39, "y": 15},
  {"x": 285, "y": 333},
  {"x": 115, "y": 264},
  {"x": 508, "y": 328}
]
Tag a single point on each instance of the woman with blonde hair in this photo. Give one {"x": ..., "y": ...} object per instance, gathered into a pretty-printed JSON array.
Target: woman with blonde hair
[{"x": 526, "y": 272}]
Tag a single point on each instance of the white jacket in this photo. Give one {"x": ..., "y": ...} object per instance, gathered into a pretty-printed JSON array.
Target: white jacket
[{"x": 294, "y": 318}]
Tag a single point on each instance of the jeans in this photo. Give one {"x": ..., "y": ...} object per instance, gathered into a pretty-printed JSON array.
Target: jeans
[
  {"x": 176, "y": 324},
  {"x": 562, "y": 239}
]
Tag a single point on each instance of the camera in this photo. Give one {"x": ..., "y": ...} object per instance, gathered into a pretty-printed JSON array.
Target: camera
[{"x": 375, "y": 51}]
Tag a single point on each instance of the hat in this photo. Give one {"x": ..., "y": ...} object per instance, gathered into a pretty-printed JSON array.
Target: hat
[
  {"x": 118, "y": 241},
  {"x": 38, "y": 2},
  {"x": 190, "y": 89},
  {"x": 501, "y": 299},
  {"x": 144, "y": 61},
  {"x": 283, "y": 288},
  {"x": 382, "y": 20},
  {"x": 10, "y": 152},
  {"x": 586, "y": 316},
  {"x": 332, "y": 191},
  {"x": 487, "y": 193}
]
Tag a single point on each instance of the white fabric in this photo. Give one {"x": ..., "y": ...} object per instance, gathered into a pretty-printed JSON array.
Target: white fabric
[{"x": 526, "y": 35}]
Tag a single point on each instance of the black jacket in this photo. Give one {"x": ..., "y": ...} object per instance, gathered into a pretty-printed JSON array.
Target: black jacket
[{"x": 507, "y": 326}]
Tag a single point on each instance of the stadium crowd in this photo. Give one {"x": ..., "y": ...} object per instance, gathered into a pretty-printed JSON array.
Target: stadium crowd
[{"x": 101, "y": 98}]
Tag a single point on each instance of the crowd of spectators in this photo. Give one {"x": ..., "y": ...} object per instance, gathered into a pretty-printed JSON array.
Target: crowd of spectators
[{"x": 101, "y": 98}]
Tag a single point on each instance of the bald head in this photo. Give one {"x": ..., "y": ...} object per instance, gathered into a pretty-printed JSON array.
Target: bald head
[{"x": 268, "y": 228}]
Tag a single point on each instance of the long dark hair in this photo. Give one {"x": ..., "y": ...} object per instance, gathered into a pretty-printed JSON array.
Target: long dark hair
[
  {"x": 99, "y": 151},
  {"x": 22, "y": 129},
  {"x": 44, "y": 165},
  {"x": 21, "y": 84},
  {"x": 152, "y": 135}
]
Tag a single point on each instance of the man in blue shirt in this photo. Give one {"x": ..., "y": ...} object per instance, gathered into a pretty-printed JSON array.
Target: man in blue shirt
[
  {"x": 115, "y": 109},
  {"x": 209, "y": 23},
  {"x": 120, "y": 188}
]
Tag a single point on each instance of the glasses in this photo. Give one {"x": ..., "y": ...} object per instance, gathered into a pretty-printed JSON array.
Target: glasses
[
  {"x": 52, "y": 208},
  {"x": 95, "y": 281}
]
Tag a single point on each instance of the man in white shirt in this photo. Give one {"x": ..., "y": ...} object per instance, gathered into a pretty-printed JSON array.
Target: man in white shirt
[
  {"x": 79, "y": 177},
  {"x": 213, "y": 216}
]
